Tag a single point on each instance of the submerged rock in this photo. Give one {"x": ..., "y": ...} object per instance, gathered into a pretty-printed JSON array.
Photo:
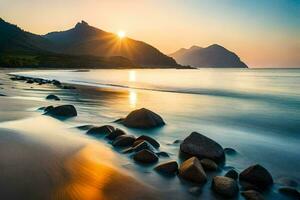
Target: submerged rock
[
  {"x": 85, "y": 127},
  {"x": 225, "y": 186},
  {"x": 64, "y": 111},
  {"x": 104, "y": 130},
  {"x": 46, "y": 109},
  {"x": 170, "y": 167},
  {"x": 145, "y": 156},
  {"x": 257, "y": 176},
  {"x": 208, "y": 164},
  {"x": 285, "y": 181},
  {"x": 149, "y": 139},
  {"x": 290, "y": 191},
  {"x": 53, "y": 97},
  {"x": 252, "y": 195},
  {"x": 195, "y": 190},
  {"x": 143, "y": 118},
  {"x": 124, "y": 141},
  {"x": 229, "y": 151},
  {"x": 232, "y": 174},
  {"x": 192, "y": 170},
  {"x": 202, "y": 147},
  {"x": 114, "y": 134},
  {"x": 162, "y": 154}
]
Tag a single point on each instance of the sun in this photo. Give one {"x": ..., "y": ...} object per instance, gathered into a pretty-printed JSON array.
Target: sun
[{"x": 121, "y": 34}]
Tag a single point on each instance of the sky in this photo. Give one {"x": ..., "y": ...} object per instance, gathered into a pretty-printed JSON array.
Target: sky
[{"x": 263, "y": 33}]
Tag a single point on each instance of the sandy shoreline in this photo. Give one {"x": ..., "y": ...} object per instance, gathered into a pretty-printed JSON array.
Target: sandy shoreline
[{"x": 41, "y": 158}]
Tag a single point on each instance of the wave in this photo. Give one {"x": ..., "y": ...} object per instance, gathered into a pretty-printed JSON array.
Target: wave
[{"x": 287, "y": 100}]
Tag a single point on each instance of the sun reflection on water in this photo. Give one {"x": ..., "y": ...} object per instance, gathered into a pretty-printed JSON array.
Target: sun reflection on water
[
  {"x": 132, "y": 76},
  {"x": 132, "y": 98}
]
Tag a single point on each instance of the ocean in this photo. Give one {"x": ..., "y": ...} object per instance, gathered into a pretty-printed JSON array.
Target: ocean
[{"x": 254, "y": 111}]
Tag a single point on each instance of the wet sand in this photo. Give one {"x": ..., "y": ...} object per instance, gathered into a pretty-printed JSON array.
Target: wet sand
[{"x": 41, "y": 158}]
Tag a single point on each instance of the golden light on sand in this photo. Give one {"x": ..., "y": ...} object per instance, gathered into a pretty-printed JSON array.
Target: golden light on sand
[
  {"x": 132, "y": 76},
  {"x": 121, "y": 34}
]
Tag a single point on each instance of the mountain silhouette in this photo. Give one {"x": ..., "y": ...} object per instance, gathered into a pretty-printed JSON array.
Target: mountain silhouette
[
  {"x": 86, "y": 39},
  {"x": 214, "y": 56},
  {"x": 89, "y": 45},
  {"x": 15, "y": 40}
]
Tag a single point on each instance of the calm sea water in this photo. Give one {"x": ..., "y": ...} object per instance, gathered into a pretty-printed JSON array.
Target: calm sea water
[{"x": 255, "y": 111}]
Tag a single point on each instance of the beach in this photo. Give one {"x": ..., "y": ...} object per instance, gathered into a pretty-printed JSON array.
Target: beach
[{"x": 46, "y": 158}]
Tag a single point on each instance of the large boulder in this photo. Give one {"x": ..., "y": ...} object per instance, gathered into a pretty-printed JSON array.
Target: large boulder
[
  {"x": 170, "y": 167},
  {"x": 145, "y": 156},
  {"x": 143, "y": 118},
  {"x": 149, "y": 139},
  {"x": 52, "y": 97},
  {"x": 201, "y": 146},
  {"x": 64, "y": 111},
  {"x": 258, "y": 176},
  {"x": 103, "y": 130},
  {"x": 252, "y": 195},
  {"x": 124, "y": 141},
  {"x": 192, "y": 170},
  {"x": 225, "y": 186}
]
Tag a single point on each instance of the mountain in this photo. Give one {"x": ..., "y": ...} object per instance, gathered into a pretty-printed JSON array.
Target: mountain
[
  {"x": 214, "y": 56},
  {"x": 81, "y": 46},
  {"x": 15, "y": 40},
  {"x": 86, "y": 39}
]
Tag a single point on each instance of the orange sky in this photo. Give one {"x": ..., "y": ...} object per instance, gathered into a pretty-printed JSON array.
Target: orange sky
[{"x": 262, "y": 33}]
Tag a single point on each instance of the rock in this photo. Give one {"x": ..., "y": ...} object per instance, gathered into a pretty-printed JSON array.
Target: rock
[
  {"x": 252, "y": 195},
  {"x": 64, "y": 111},
  {"x": 124, "y": 141},
  {"x": 248, "y": 186},
  {"x": 192, "y": 170},
  {"x": 149, "y": 139},
  {"x": 225, "y": 186},
  {"x": 145, "y": 156},
  {"x": 56, "y": 82},
  {"x": 287, "y": 182},
  {"x": 119, "y": 120},
  {"x": 177, "y": 141},
  {"x": 170, "y": 167},
  {"x": 41, "y": 108},
  {"x": 46, "y": 109},
  {"x": 114, "y": 134},
  {"x": 257, "y": 176},
  {"x": 69, "y": 87},
  {"x": 144, "y": 145},
  {"x": 201, "y": 146},
  {"x": 104, "y": 130},
  {"x": 143, "y": 118},
  {"x": 232, "y": 174},
  {"x": 290, "y": 191},
  {"x": 85, "y": 127},
  {"x": 208, "y": 164},
  {"x": 229, "y": 151},
  {"x": 141, "y": 146},
  {"x": 162, "y": 154},
  {"x": 53, "y": 97}
]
